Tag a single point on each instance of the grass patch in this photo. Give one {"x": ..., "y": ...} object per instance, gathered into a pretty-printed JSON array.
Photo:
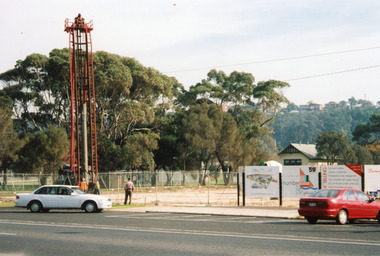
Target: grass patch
[{"x": 7, "y": 204}]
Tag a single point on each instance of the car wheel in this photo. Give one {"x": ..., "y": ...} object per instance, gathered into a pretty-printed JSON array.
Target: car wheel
[
  {"x": 378, "y": 217},
  {"x": 90, "y": 207},
  {"x": 342, "y": 217},
  {"x": 35, "y": 206},
  {"x": 311, "y": 220}
]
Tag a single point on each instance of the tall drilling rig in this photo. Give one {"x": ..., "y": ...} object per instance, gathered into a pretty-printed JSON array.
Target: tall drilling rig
[{"x": 83, "y": 139}]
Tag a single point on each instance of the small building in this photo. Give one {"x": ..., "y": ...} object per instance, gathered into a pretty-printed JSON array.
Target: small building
[
  {"x": 300, "y": 154},
  {"x": 332, "y": 105},
  {"x": 311, "y": 106}
]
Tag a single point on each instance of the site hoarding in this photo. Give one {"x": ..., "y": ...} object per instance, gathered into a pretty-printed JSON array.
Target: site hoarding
[
  {"x": 341, "y": 176},
  {"x": 372, "y": 178},
  {"x": 299, "y": 181},
  {"x": 262, "y": 181}
]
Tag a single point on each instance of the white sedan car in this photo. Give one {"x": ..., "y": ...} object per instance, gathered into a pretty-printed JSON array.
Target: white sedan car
[{"x": 61, "y": 197}]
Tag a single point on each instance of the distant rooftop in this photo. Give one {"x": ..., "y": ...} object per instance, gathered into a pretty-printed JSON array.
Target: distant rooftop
[{"x": 309, "y": 150}]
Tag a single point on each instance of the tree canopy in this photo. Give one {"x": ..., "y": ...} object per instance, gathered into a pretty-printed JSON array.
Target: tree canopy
[
  {"x": 145, "y": 119},
  {"x": 334, "y": 147}
]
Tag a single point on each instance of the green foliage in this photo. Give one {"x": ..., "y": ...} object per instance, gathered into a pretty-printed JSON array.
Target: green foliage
[
  {"x": 368, "y": 133},
  {"x": 109, "y": 154},
  {"x": 138, "y": 151},
  {"x": 43, "y": 151},
  {"x": 39, "y": 97},
  {"x": 243, "y": 137},
  {"x": 9, "y": 142},
  {"x": 135, "y": 128},
  {"x": 363, "y": 155},
  {"x": 304, "y": 127},
  {"x": 334, "y": 147}
]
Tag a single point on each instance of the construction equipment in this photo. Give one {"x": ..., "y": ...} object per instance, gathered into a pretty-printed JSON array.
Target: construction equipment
[{"x": 83, "y": 105}]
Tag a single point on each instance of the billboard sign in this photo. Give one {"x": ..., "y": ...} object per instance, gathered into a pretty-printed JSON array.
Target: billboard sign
[
  {"x": 372, "y": 178},
  {"x": 342, "y": 176},
  {"x": 299, "y": 181},
  {"x": 262, "y": 181}
]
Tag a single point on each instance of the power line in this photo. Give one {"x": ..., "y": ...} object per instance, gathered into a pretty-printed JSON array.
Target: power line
[
  {"x": 275, "y": 60},
  {"x": 332, "y": 73}
]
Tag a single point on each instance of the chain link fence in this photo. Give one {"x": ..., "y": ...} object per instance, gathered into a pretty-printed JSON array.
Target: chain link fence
[{"x": 160, "y": 187}]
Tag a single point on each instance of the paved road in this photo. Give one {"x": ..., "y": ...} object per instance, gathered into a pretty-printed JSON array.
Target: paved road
[{"x": 125, "y": 233}]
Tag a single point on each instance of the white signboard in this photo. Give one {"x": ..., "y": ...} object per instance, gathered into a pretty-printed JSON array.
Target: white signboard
[
  {"x": 372, "y": 178},
  {"x": 342, "y": 176},
  {"x": 262, "y": 181},
  {"x": 299, "y": 181}
]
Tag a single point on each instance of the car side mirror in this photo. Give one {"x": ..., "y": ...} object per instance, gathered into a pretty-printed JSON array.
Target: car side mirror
[{"x": 371, "y": 200}]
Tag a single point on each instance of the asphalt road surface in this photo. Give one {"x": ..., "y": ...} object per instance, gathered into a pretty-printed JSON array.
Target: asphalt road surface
[{"x": 123, "y": 233}]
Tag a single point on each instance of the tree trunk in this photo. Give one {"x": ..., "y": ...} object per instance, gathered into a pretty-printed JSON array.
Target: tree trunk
[
  {"x": 227, "y": 176},
  {"x": 5, "y": 180},
  {"x": 153, "y": 179},
  {"x": 169, "y": 177}
]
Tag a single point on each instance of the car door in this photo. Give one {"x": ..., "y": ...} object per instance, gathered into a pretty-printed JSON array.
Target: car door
[
  {"x": 68, "y": 199},
  {"x": 368, "y": 208},
  {"x": 351, "y": 203},
  {"x": 48, "y": 197}
]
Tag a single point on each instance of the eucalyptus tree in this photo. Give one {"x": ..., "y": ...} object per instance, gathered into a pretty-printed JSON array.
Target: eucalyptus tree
[
  {"x": 129, "y": 98},
  {"x": 334, "y": 147},
  {"x": 213, "y": 136},
  {"x": 44, "y": 151},
  {"x": 368, "y": 133},
  {"x": 252, "y": 106},
  {"x": 363, "y": 155}
]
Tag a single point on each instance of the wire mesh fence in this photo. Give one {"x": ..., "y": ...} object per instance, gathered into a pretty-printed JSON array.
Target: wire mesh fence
[{"x": 160, "y": 187}]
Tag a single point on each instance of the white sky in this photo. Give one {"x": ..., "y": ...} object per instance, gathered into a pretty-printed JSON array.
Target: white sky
[{"x": 198, "y": 35}]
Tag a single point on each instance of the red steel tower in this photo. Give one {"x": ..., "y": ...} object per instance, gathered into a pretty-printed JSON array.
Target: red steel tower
[{"x": 83, "y": 105}]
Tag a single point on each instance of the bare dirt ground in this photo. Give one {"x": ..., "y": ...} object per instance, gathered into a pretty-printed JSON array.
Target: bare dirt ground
[{"x": 223, "y": 196}]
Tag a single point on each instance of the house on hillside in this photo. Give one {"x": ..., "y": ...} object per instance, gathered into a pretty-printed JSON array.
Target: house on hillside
[
  {"x": 311, "y": 106},
  {"x": 332, "y": 105},
  {"x": 300, "y": 154}
]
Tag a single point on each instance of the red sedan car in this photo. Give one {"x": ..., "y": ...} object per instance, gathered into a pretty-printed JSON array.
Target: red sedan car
[{"x": 340, "y": 204}]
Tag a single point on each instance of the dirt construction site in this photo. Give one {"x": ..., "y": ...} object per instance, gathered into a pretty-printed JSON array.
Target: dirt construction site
[{"x": 223, "y": 196}]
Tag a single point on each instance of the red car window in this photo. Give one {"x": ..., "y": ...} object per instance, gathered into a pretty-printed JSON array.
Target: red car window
[
  {"x": 349, "y": 195},
  {"x": 362, "y": 196},
  {"x": 326, "y": 193}
]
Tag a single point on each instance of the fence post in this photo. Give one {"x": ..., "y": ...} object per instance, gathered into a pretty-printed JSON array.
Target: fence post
[
  {"x": 280, "y": 187},
  {"x": 243, "y": 179},
  {"x": 208, "y": 189},
  {"x": 157, "y": 188},
  {"x": 238, "y": 190},
  {"x": 363, "y": 178}
]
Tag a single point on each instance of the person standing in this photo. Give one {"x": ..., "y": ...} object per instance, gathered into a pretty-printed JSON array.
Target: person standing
[
  {"x": 129, "y": 187},
  {"x": 83, "y": 185},
  {"x": 97, "y": 188}
]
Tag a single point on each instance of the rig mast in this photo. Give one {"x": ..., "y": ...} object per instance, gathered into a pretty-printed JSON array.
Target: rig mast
[{"x": 83, "y": 105}]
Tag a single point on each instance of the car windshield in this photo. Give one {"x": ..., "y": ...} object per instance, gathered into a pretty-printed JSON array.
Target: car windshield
[{"x": 326, "y": 193}]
